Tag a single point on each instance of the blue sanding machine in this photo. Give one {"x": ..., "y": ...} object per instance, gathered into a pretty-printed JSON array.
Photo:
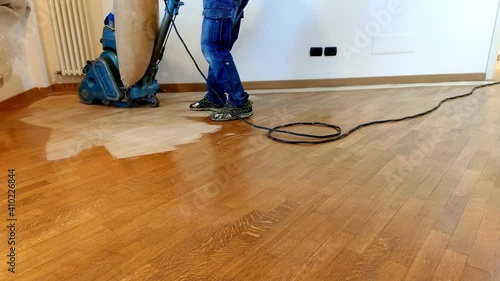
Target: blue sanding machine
[{"x": 102, "y": 82}]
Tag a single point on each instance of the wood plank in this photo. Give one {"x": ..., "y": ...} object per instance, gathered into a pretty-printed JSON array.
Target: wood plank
[
  {"x": 429, "y": 257},
  {"x": 391, "y": 206},
  {"x": 373, "y": 258},
  {"x": 483, "y": 251},
  {"x": 474, "y": 274},
  {"x": 465, "y": 232},
  {"x": 495, "y": 275},
  {"x": 451, "y": 267},
  {"x": 339, "y": 267},
  {"x": 404, "y": 219},
  {"x": 425, "y": 189},
  {"x": 323, "y": 256},
  {"x": 392, "y": 271},
  {"x": 272, "y": 250}
]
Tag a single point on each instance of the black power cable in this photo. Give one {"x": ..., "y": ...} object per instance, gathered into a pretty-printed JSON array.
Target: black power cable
[{"x": 317, "y": 139}]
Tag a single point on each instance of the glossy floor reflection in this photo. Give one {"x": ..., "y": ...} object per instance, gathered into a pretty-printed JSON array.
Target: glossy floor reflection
[{"x": 165, "y": 194}]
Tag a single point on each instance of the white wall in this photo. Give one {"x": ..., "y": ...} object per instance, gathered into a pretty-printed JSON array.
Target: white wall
[
  {"x": 449, "y": 37},
  {"x": 29, "y": 66}
]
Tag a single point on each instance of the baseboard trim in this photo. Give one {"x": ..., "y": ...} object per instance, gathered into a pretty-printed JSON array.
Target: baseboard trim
[
  {"x": 66, "y": 87},
  {"x": 26, "y": 98},
  {"x": 328, "y": 83},
  {"x": 36, "y": 94}
]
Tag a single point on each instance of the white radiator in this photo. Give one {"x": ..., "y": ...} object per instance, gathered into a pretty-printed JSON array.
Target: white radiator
[{"x": 72, "y": 34}]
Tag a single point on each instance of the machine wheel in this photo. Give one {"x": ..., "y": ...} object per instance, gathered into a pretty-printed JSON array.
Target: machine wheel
[
  {"x": 154, "y": 101},
  {"x": 85, "y": 97},
  {"x": 106, "y": 102}
]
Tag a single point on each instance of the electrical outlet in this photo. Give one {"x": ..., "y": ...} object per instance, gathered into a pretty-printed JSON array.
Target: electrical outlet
[
  {"x": 330, "y": 51},
  {"x": 316, "y": 52},
  {"x": 1, "y": 80}
]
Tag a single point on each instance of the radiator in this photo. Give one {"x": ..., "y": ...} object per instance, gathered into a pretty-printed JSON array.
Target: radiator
[{"x": 72, "y": 35}]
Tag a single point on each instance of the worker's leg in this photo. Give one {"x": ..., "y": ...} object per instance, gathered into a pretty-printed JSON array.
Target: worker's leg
[
  {"x": 216, "y": 44},
  {"x": 214, "y": 91},
  {"x": 214, "y": 99}
]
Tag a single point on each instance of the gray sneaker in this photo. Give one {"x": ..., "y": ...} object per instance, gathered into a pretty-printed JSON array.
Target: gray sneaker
[
  {"x": 205, "y": 105},
  {"x": 229, "y": 112}
]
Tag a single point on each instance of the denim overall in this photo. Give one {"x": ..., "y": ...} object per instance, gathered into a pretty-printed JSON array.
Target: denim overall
[{"x": 220, "y": 29}]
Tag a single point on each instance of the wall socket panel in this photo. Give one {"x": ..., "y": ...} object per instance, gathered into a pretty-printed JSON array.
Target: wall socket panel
[
  {"x": 318, "y": 51},
  {"x": 330, "y": 51},
  {"x": 1, "y": 80},
  {"x": 391, "y": 44}
]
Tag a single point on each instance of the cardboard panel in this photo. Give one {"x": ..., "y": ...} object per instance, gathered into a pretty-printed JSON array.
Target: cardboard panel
[{"x": 136, "y": 23}]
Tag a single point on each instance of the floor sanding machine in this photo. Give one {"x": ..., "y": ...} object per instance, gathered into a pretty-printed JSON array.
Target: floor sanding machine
[{"x": 110, "y": 79}]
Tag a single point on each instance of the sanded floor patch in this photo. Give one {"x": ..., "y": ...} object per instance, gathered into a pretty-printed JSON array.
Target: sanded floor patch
[{"x": 124, "y": 132}]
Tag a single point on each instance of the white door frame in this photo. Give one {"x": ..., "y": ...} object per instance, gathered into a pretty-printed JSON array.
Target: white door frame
[{"x": 495, "y": 46}]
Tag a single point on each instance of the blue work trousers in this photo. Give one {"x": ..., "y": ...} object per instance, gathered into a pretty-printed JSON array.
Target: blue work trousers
[{"x": 220, "y": 29}]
